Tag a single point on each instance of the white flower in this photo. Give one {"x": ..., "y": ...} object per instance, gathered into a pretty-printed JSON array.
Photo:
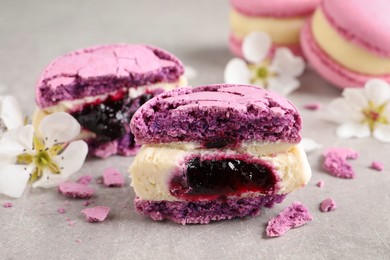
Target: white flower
[
  {"x": 11, "y": 115},
  {"x": 46, "y": 161},
  {"x": 364, "y": 112},
  {"x": 278, "y": 74}
]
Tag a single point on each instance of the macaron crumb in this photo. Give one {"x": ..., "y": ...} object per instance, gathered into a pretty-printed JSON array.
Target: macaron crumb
[
  {"x": 61, "y": 210},
  {"x": 85, "y": 180},
  {"x": 8, "y": 205},
  {"x": 75, "y": 190},
  {"x": 113, "y": 178},
  {"x": 70, "y": 222},
  {"x": 320, "y": 184},
  {"x": 293, "y": 216},
  {"x": 96, "y": 214},
  {"x": 328, "y": 205},
  {"x": 336, "y": 164},
  {"x": 376, "y": 165},
  {"x": 312, "y": 106}
]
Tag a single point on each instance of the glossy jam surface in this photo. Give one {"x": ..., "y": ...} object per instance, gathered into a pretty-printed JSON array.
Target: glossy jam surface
[
  {"x": 215, "y": 178},
  {"x": 110, "y": 119}
]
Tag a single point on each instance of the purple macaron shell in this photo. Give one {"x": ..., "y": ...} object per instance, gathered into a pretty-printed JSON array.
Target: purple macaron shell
[
  {"x": 202, "y": 212},
  {"x": 106, "y": 68},
  {"x": 222, "y": 113}
]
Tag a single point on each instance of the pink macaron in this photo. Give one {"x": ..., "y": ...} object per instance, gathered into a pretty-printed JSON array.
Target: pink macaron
[
  {"x": 348, "y": 42},
  {"x": 281, "y": 19}
]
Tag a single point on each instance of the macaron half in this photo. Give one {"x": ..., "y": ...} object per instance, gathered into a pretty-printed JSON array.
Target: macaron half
[{"x": 348, "y": 42}]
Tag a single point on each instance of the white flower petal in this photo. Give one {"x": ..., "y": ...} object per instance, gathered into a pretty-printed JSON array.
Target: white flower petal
[
  {"x": 237, "y": 72},
  {"x": 287, "y": 64},
  {"x": 283, "y": 85},
  {"x": 377, "y": 91},
  {"x": 16, "y": 141},
  {"x": 355, "y": 98},
  {"x": 14, "y": 178},
  {"x": 70, "y": 161},
  {"x": 11, "y": 112},
  {"x": 310, "y": 145},
  {"x": 341, "y": 111},
  {"x": 353, "y": 129},
  {"x": 382, "y": 133},
  {"x": 58, "y": 128},
  {"x": 256, "y": 47}
]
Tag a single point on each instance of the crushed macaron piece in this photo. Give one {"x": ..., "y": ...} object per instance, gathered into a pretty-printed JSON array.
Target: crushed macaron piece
[
  {"x": 113, "y": 178},
  {"x": 320, "y": 184},
  {"x": 328, "y": 205},
  {"x": 376, "y": 165},
  {"x": 8, "y": 205},
  {"x": 75, "y": 190},
  {"x": 312, "y": 106},
  {"x": 85, "y": 180},
  {"x": 96, "y": 214},
  {"x": 293, "y": 216},
  {"x": 61, "y": 210},
  {"x": 336, "y": 163}
]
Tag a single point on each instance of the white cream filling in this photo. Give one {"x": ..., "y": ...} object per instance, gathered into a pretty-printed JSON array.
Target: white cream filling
[
  {"x": 71, "y": 105},
  {"x": 154, "y": 166}
]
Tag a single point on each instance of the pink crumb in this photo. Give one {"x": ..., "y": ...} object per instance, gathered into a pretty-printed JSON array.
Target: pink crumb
[
  {"x": 66, "y": 203},
  {"x": 328, "y": 205},
  {"x": 8, "y": 205},
  {"x": 85, "y": 180},
  {"x": 378, "y": 166},
  {"x": 61, "y": 210},
  {"x": 96, "y": 214},
  {"x": 70, "y": 222},
  {"x": 336, "y": 163},
  {"x": 312, "y": 106},
  {"x": 75, "y": 190},
  {"x": 320, "y": 184},
  {"x": 78, "y": 241},
  {"x": 113, "y": 178},
  {"x": 87, "y": 203},
  {"x": 293, "y": 216}
]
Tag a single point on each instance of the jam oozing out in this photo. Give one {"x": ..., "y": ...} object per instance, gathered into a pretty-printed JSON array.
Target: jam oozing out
[
  {"x": 109, "y": 119},
  {"x": 211, "y": 179}
]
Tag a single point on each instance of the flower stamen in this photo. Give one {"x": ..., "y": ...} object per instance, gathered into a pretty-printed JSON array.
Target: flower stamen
[{"x": 374, "y": 115}]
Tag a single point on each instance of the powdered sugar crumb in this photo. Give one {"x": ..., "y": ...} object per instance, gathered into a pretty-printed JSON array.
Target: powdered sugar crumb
[
  {"x": 113, "y": 178},
  {"x": 376, "y": 165},
  {"x": 291, "y": 217},
  {"x": 8, "y": 204},
  {"x": 84, "y": 180},
  {"x": 96, "y": 214},
  {"x": 336, "y": 162},
  {"x": 312, "y": 106},
  {"x": 61, "y": 210},
  {"x": 328, "y": 205},
  {"x": 320, "y": 184},
  {"x": 75, "y": 190}
]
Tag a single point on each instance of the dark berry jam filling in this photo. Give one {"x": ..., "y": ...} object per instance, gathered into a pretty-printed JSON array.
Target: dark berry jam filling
[
  {"x": 110, "y": 119},
  {"x": 215, "y": 178}
]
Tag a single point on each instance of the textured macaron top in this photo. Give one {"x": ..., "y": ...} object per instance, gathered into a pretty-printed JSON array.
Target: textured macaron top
[
  {"x": 275, "y": 8},
  {"x": 364, "y": 22},
  {"x": 100, "y": 69},
  {"x": 217, "y": 115}
]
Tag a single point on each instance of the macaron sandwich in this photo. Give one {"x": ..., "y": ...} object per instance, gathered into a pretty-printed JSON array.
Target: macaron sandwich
[
  {"x": 102, "y": 87},
  {"x": 216, "y": 152}
]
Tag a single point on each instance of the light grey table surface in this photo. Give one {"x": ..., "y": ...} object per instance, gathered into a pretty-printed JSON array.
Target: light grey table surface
[{"x": 32, "y": 33}]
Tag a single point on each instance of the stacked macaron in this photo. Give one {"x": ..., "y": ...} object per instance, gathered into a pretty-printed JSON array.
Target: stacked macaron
[
  {"x": 102, "y": 87},
  {"x": 281, "y": 19},
  {"x": 348, "y": 41},
  {"x": 216, "y": 152}
]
